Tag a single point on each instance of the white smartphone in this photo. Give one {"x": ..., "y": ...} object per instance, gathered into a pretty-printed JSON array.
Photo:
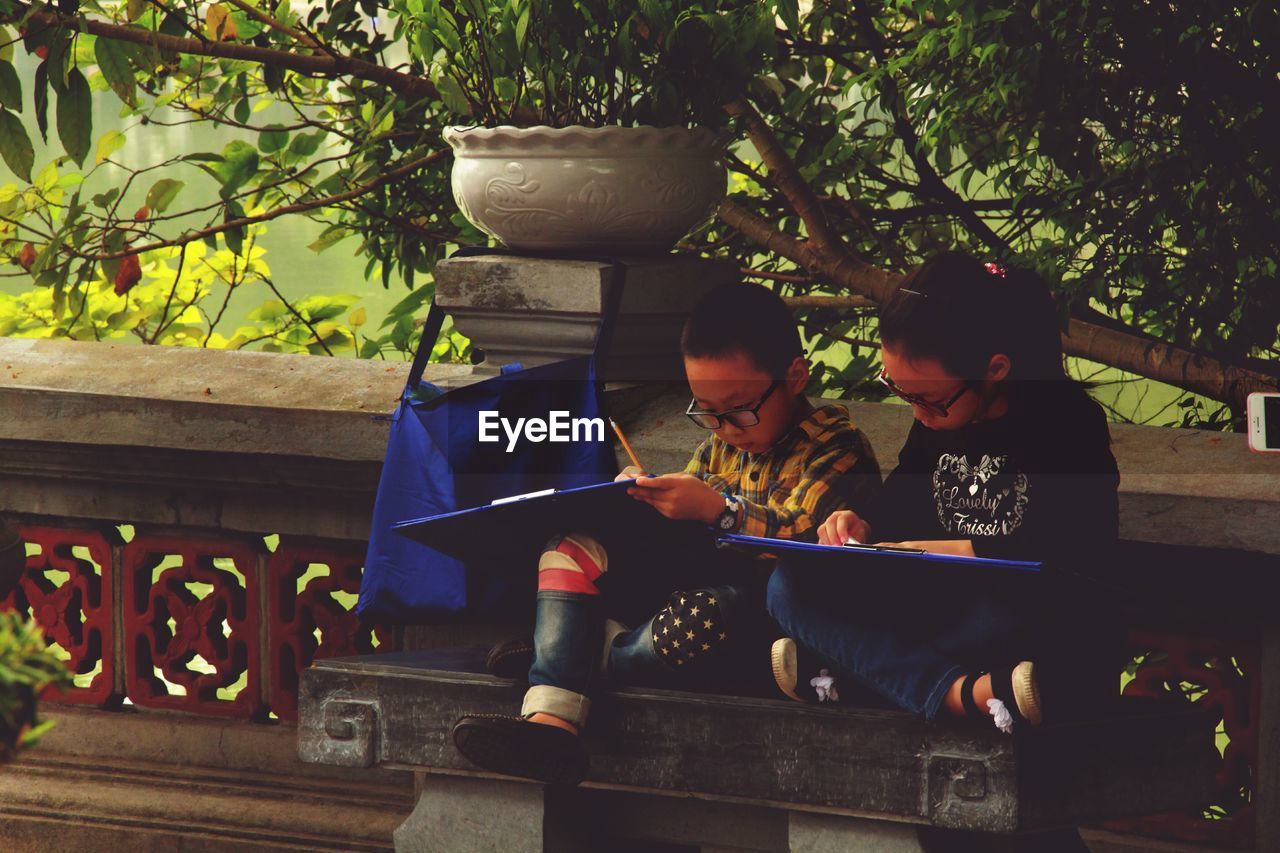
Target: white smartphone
[{"x": 1263, "y": 417}]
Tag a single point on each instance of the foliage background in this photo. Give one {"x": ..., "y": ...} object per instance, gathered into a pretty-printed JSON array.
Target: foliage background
[{"x": 1123, "y": 151}]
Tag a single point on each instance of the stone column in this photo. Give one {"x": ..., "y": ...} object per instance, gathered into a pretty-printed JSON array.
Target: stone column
[
  {"x": 462, "y": 814},
  {"x": 538, "y": 310}
]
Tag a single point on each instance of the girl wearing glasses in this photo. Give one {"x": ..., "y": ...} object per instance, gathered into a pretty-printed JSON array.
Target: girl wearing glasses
[{"x": 1007, "y": 457}]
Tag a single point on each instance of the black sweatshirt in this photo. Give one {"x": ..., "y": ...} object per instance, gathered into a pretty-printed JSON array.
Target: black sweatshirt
[{"x": 1036, "y": 483}]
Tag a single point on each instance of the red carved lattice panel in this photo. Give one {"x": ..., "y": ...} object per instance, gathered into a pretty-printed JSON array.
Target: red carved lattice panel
[
  {"x": 70, "y": 598},
  {"x": 1224, "y": 677},
  {"x": 317, "y": 620},
  {"x": 191, "y": 627}
]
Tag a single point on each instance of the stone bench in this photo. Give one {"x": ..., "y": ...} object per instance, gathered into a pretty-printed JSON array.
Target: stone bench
[
  {"x": 714, "y": 772},
  {"x": 1179, "y": 488}
]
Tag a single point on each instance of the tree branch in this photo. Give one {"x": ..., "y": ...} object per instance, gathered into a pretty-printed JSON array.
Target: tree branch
[
  {"x": 768, "y": 275},
  {"x": 784, "y": 174},
  {"x": 279, "y": 26},
  {"x": 838, "y": 302},
  {"x": 240, "y": 222},
  {"x": 412, "y": 87},
  {"x": 1194, "y": 371}
]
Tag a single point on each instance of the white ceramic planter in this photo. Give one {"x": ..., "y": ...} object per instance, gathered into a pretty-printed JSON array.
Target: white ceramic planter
[{"x": 577, "y": 189}]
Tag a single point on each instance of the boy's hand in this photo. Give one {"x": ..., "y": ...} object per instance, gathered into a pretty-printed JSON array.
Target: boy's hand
[
  {"x": 629, "y": 473},
  {"x": 841, "y": 526},
  {"x": 680, "y": 497}
]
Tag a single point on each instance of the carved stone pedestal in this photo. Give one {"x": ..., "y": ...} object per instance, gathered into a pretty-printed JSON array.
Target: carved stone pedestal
[{"x": 538, "y": 310}]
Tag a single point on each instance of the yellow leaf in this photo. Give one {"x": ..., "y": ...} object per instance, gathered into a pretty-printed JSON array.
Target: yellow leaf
[
  {"x": 218, "y": 23},
  {"x": 358, "y": 317},
  {"x": 110, "y": 143}
]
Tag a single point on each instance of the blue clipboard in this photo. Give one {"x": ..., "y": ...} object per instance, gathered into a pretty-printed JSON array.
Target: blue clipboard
[
  {"x": 513, "y": 528},
  {"x": 868, "y": 557}
]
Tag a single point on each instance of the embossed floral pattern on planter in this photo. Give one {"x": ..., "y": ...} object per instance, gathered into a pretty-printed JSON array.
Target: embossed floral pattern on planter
[{"x": 626, "y": 189}]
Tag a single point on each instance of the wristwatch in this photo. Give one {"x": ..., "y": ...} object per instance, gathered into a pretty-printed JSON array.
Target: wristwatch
[{"x": 729, "y": 519}]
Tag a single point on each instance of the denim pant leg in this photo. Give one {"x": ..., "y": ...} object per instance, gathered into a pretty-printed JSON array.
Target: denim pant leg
[
  {"x": 880, "y": 641},
  {"x": 567, "y": 641},
  {"x": 634, "y": 658}
]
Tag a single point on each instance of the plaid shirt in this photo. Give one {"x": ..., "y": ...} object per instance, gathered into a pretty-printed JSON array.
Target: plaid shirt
[{"x": 823, "y": 464}]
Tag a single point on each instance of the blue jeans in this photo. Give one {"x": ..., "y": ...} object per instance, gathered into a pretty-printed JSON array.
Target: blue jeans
[
  {"x": 570, "y": 650},
  {"x": 908, "y": 643},
  {"x": 574, "y": 643}
]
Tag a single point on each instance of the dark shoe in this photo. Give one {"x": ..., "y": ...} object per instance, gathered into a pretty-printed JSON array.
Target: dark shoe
[
  {"x": 799, "y": 675},
  {"x": 510, "y": 659},
  {"x": 516, "y": 747}
]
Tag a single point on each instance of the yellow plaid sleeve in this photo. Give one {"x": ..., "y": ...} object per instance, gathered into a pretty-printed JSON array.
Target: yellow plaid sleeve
[
  {"x": 815, "y": 496},
  {"x": 700, "y": 464},
  {"x": 708, "y": 459}
]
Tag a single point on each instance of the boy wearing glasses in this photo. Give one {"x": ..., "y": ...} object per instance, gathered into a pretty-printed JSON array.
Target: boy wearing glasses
[{"x": 773, "y": 465}]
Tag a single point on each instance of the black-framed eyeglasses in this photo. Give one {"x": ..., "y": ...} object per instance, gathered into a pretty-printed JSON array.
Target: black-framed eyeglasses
[
  {"x": 741, "y": 417},
  {"x": 931, "y": 406}
]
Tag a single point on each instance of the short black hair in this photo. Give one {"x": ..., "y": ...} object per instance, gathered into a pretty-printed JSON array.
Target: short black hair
[{"x": 747, "y": 318}]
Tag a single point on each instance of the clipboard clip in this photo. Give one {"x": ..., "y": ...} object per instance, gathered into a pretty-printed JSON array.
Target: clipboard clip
[
  {"x": 882, "y": 549},
  {"x": 538, "y": 494}
]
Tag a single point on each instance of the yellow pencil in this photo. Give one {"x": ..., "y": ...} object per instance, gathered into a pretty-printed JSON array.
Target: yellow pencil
[{"x": 626, "y": 445}]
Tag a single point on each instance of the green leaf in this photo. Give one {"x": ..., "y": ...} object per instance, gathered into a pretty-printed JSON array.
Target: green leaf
[
  {"x": 175, "y": 24},
  {"x": 452, "y": 95},
  {"x": 788, "y": 11},
  {"x": 330, "y": 235},
  {"x": 111, "y": 142},
  {"x": 425, "y": 42},
  {"x": 135, "y": 8},
  {"x": 15, "y": 146},
  {"x": 522, "y": 26},
  {"x": 10, "y": 87},
  {"x": 239, "y": 163},
  {"x": 6, "y": 45},
  {"x": 75, "y": 117},
  {"x": 234, "y": 236},
  {"x": 104, "y": 200},
  {"x": 162, "y": 194},
  {"x": 114, "y": 63},
  {"x": 273, "y": 138},
  {"x": 41, "y": 95},
  {"x": 306, "y": 144}
]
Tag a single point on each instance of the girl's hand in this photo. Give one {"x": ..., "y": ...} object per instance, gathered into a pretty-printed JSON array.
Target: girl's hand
[
  {"x": 841, "y": 526},
  {"x": 954, "y": 547},
  {"x": 679, "y": 497},
  {"x": 629, "y": 473}
]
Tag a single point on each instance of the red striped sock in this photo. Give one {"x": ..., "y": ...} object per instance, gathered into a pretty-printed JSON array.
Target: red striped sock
[{"x": 573, "y": 564}]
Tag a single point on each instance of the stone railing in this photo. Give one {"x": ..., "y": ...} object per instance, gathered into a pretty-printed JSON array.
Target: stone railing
[{"x": 197, "y": 522}]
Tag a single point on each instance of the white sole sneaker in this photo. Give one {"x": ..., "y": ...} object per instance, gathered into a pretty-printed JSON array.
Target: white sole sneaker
[
  {"x": 782, "y": 657},
  {"x": 1026, "y": 692}
]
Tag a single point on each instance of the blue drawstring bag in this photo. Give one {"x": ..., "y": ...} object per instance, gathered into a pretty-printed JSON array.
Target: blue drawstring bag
[{"x": 436, "y": 462}]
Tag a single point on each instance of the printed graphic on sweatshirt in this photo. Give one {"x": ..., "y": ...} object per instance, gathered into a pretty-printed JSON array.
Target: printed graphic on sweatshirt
[{"x": 986, "y": 499}]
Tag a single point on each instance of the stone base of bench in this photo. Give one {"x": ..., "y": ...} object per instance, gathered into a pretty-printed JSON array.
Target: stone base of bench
[
  {"x": 813, "y": 772},
  {"x": 465, "y": 814}
]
